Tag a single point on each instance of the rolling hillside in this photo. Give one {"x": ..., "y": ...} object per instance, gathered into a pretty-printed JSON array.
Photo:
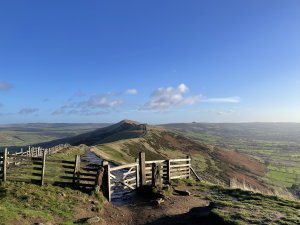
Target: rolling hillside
[{"x": 123, "y": 141}]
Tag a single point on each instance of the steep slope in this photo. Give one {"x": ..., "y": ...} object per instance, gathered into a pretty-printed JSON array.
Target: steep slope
[{"x": 125, "y": 129}]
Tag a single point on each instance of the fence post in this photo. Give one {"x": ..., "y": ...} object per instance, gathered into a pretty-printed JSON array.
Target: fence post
[
  {"x": 189, "y": 170},
  {"x": 142, "y": 168},
  {"x": 137, "y": 173},
  {"x": 4, "y": 165},
  {"x": 107, "y": 188},
  {"x": 157, "y": 176},
  {"x": 76, "y": 171},
  {"x": 168, "y": 171},
  {"x": 43, "y": 167}
]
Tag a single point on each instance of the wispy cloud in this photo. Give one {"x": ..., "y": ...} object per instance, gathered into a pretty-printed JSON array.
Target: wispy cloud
[
  {"x": 222, "y": 112},
  {"x": 5, "y": 86},
  {"x": 94, "y": 105},
  {"x": 28, "y": 111},
  {"x": 131, "y": 91},
  {"x": 223, "y": 100},
  {"x": 164, "y": 99}
]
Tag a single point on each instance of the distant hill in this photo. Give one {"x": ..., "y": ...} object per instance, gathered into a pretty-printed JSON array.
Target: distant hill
[{"x": 15, "y": 136}]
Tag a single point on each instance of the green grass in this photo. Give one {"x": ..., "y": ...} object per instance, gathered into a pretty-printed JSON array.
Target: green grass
[
  {"x": 53, "y": 171},
  {"x": 112, "y": 154},
  {"x": 235, "y": 206},
  {"x": 28, "y": 203},
  {"x": 241, "y": 207},
  {"x": 285, "y": 175}
]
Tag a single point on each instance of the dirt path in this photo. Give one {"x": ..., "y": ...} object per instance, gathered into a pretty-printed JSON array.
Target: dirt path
[{"x": 141, "y": 211}]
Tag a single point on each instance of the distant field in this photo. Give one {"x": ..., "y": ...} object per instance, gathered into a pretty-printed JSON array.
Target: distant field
[
  {"x": 277, "y": 144},
  {"x": 28, "y": 134}
]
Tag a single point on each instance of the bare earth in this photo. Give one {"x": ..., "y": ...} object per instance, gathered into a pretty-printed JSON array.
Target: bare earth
[{"x": 175, "y": 209}]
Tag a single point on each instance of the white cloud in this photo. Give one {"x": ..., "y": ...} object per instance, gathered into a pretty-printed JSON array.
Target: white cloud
[
  {"x": 183, "y": 88},
  {"x": 131, "y": 91},
  {"x": 5, "y": 86},
  {"x": 223, "y": 100},
  {"x": 164, "y": 99}
]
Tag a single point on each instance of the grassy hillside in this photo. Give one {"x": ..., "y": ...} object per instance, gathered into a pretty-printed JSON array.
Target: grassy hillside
[
  {"x": 276, "y": 144},
  {"x": 23, "y": 203},
  {"x": 214, "y": 164},
  {"x": 125, "y": 129},
  {"x": 122, "y": 142}
]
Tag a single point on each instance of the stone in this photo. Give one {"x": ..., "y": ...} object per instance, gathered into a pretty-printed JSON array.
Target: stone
[
  {"x": 96, "y": 220},
  {"x": 93, "y": 220},
  {"x": 158, "y": 201}
]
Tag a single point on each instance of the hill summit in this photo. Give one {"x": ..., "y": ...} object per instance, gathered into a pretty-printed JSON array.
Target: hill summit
[{"x": 125, "y": 129}]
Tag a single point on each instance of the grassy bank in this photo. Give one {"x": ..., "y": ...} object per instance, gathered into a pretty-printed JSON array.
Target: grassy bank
[
  {"x": 27, "y": 204},
  {"x": 235, "y": 206}
]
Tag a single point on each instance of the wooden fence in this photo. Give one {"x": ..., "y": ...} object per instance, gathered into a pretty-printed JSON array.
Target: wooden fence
[
  {"x": 142, "y": 172},
  {"x": 33, "y": 166},
  {"x": 38, "y": 151},
  {"x": 37, "y": 168}
]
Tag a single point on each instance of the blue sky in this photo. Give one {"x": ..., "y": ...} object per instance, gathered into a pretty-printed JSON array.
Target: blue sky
[{"x": 151, "y": 61}]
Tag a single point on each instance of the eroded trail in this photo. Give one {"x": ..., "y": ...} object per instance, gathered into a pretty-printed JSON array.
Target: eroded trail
[{"x": 140, "y": 211}]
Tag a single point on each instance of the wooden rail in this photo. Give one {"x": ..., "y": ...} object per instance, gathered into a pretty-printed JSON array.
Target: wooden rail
[
  {"x": 142, "y": 172},
  {"x": 34, "y": 166}
]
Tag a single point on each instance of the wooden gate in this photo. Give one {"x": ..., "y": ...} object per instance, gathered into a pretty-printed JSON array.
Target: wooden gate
[{"x": 122, "y": 179}]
